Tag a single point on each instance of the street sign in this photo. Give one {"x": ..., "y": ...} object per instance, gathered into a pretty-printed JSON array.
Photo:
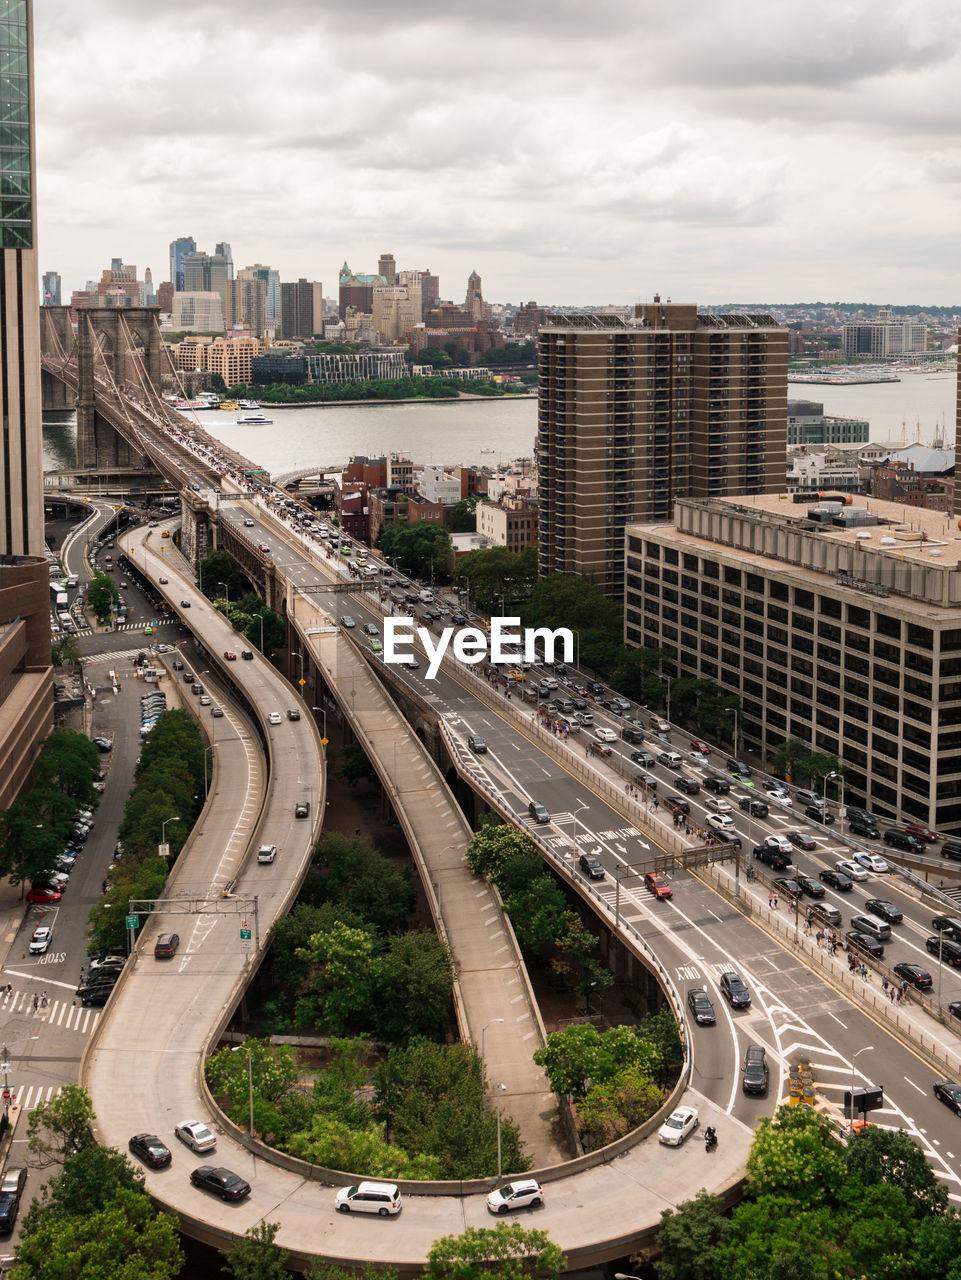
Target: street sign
[
  {"x": 245, "y": 935},
  {"x": 323, "y": 742},
  {"x": 163, "y": 851},
  {"x": 301, "y": 682},
  {"x": 133, "y": 922}
]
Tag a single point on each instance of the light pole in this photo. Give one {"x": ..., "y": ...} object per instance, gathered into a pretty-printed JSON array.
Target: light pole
[
  {"x": 840, "y": 778},
  {"x": 484, "y": 1032},
  {"x": 250, "y": 1086},
  {"x": 867, "y": 1049},
  {"x": 501, "y": 1089},
  {"x": 226, "y": 591},
  {"x": 163, "y": 837},
  {"x": 323, "y": 712},
  {"x": 260, "y": 619},
  {"x": 208, "y": 750}
]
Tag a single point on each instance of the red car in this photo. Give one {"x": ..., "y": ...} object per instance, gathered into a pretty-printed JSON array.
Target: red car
[
  {"x": 697, "y": 744},
  {"x": 231, "y": 657},
  {"x": 660, "y": 888},
  {"x": 43, "y": 895},
  {"x": 922, "y": 833}
]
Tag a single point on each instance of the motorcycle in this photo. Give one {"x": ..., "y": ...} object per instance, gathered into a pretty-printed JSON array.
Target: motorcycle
[{"x": 710, "y": 1138}]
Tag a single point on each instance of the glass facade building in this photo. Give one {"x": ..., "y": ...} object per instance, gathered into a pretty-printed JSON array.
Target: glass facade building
[{"x": 16, "y": 186}]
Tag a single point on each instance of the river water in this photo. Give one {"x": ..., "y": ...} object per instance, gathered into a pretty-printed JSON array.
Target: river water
[{"x": 475, "y": 432}]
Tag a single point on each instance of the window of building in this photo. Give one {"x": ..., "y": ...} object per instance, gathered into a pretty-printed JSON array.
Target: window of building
[{"x": 777, "y": 590}]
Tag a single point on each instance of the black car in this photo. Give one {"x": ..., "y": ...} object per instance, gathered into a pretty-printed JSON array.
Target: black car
[
  {"x": 687, "y": 785},
  {"x": 734, "y": 990},
  {"x": 858, "y": 827},
  {"x": 914, "y": 976},
  {"x": 477, "y": 745},
  {"x": 293, "y": 713},
  {"x": 700, "y": 1005},
  {"x": 791, "y": 887},
  {"x": 95, "y": 997},
  {"x": 801, "y": 840},
  {"x": 591, "y": 866},
  {"x": 886, "y": 910},
  {"x": 810, "y": 887},
  {"x": 901, "y": 840},
  {"x": 945, "y": 948},
  {"x": 645, "y": 758},
  {"x": 862, "y": 942},
  {"x": 949, "y": 1094},
  {"x": 837, "y": 880},
  {"x": 11, "y": 1190},
  {"x": 595, "y": 688},
  {"x": 755, "y": 1071},
  {"x": 951, "y": 925},
  {"x": 302, "y": 809},
  {"x": 954, "y": 1008},
  {"x": 165, "y": 948},
  {"x": 774, "y": 858},
  {"x": 714, "y": 782},
  {"x": 185, "y": 604},
  {"x": 630, "y": 734},
  {"x": 818, "y": 815},
  {"x": 222, "y": 1182},
  {"x": 150, "y": 1150},
  {"x": 755, "y": 807}
]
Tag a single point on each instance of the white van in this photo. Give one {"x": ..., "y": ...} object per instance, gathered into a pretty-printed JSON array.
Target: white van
[{"x": 426, "y": 597}]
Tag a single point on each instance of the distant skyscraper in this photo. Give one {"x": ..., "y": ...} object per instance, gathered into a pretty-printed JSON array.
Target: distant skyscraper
[
  {"x": 430, "y": 289},
  {"x": 302, "y": 309},
  {"x": 387, "y": 267},
  {"x": 179, "y": 249},
  {"x": 51, "y": 288},
  {"x": 474, "y": 301},
  {"x": 632, "y": 416},
  {"x": 207, "y": 273},
  {"x": 223, "y": 249},
  {"x": 271, "y": 280}
]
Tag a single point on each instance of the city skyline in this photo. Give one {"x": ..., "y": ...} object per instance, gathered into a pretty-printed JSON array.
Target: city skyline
[{"x": 569, "y": 155}]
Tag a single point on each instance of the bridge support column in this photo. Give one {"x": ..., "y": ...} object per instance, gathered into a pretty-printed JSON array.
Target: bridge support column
[
  {"x": 100, "y": 446},
  {"x": 195, "y": 528},
  {"x": 53, "y": 392}
]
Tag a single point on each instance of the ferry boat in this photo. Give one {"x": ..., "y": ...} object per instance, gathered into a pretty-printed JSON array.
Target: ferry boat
[
  {"x": 249, "y": 404},
  {"x": 231, "y": 405},
  {"x": 254, "y": 420}
]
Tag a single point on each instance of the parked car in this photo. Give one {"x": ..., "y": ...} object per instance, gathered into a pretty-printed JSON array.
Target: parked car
[
  {"x": 680, "y": 1124},
  {"x": 42, "y": 937},
  {"x": 196, "y": 1135},
  {"x": 221, "y": 1182}
]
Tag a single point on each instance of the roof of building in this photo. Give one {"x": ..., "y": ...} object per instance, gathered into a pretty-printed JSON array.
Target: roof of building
[{"x": 924, "y": 460}]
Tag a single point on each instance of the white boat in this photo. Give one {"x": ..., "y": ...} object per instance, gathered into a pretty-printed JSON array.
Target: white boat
[
  {"x": 249, "y": 404},
  {"x": 254, "y": 420}
]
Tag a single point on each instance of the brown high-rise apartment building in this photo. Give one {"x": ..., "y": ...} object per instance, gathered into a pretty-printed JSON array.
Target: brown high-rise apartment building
[
  {"x": 26, "y": 689},
  {"x": 675, "y": 404}
]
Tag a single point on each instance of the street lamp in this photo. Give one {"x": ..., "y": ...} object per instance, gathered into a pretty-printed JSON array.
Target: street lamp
[
  {"x": 484, "y": 1031},
  {"x": 867, "y": 1049},
  {"x": 163, "y": 836},
  {"x": 250, "y": 1084},
  {"x": 226, "y": 591},
  {"x": 323, "y": 712},
  {"x": 260, "y": 619},
  {"x": 206, "y": 751},
  {"x": 840, "y": 778},
  {"x": 501, "y": 1089}
]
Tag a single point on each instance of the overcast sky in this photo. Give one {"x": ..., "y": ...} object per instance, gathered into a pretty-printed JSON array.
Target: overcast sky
[{"x": 569, "y": 151}]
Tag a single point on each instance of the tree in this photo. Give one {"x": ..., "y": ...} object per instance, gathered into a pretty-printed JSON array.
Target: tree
[
  {"x": 494, "y": 846},
  {"x": 581, "y": 1056},
  {"x": 272, "y": 630},
  {"x": 611, "y": 1110},
  {"x": 413, "y": 981},
  {"x": 61, "y": 1126},
  {"x": 28, "y": 845},
  {"x": 338, "y": 990},
  {"x": 539, "y": 912},
  {"x": 495, "y": 577},
  {"x": 218, "y": 571},
  {"x": 464, "y": 518},
  {"x": 89, "y": 1180},
  {"x": 350, "y": 872},
  {"x": 124, "y": 1238},
  {"x": 795, "y": 1154},
  {"x": 335, "y": 1145},
  {"x": 255, "y": 1256},
  {"x": 102, "y": 595},
  {"x": 507, "y": 1252},
  {"x": 881, "y": 1155},
  {"x": 68, "y": 761},
  {"x": 688, "y": 1239},
  {"x": 353, "y": 765}
]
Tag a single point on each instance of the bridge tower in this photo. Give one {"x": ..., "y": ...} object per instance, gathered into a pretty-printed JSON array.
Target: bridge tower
[
  {"x": 56, "y": 339},
  {"x": 121, "y": 346}
]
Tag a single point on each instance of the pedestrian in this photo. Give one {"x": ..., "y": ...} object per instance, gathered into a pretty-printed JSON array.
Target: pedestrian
[
  {"x": 36, "y": 1000},
  {"x": 891, "y": 994},
  {"x": 770, "y": 898},
  {"x": 43, "y": 999},
  {"x": 884, "y": 982},
  {"x": 775, "y": 902},
  {"x": 900, "y": 995}
]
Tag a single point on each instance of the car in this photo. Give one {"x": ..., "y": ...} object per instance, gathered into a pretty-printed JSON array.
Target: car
[
  {"x": 246, "y": 654},
  {"x": 275, "y": 718},
  {"x": 773, "y": 858},
  {"x": 788, "y": 885},
  {"x": 43, "y": 895},
  {"x": 164, "y": 581},
  {"x": 901, "y": 840},
  {"x": 755, "y": 1071},
  {"x": 302, "y": 809},
  {"x": 734, "y": 990},
  {"x": 839, "y": 880},
  {"x": 103, "y": 744},
  {"x": 477, "y": 744},
  {"x": 293, "y": 713},
  {"x": 715, "y": 783},
  {"x": 946, "y": 948},
  {"x": 805, "y": 796},
  {"x": 149, "y": 1148},
  {"x": 374, "y": 644},
  {"x": 248, "y": 523},
  {"x": 680, "y": 1124},
  {"x": 644, "y": 758},
  {"x": 230, "y": 655},
  {"x": 954, "y": 1008},
  {"x": 687, "y": 785},
  {"x": 538, "y": 812},
  {"x": 590, "y": 864},
  {"x": 863, "y": 942},
  {"x": 914, "y": 976},
  {"x": 216, "y": 712},
  {"x": 221, "y": 1182},
  {"x": 755, "y": 807},
  {"x": 11, "y": 1191},
  {"x": 205, "y": 700},
  {"x": 106, "y": 964},
  {"x": 801, "y": 840},
  {"x": 188, "y": 677},
  {"x": 948, "y": 1093},
  {"x": 851, "y": 868},
  {"x": 781, "y": 843},
  {"x": 658, "y": 885},
  {"x": 718, "y": 806},
  {"x": 858, "y": 827},
  {"x": 700, "y": 746},
  {"x": 348, "y": 622},
  {"x": 369, "y": 629},
  {"x": 826, "y": 912},
  {"x": 632, "y": 734},
  {"x": 185, "y": 604},
  {"x": 369, "y": 1197},
  {"x": 669, "y": 758},
  {"x": 699, "y": 1002},
  {"x": 165, "y": 948},
  {"x": 818, "y": 815},
  {"x": 886, "y": 910},
  {"x": 738, "y": 767},
  {"x": 196, "y": 1135},
  {"x": 810, "y": 887},
  {"x": 951, "y": 925},
  {"x": 41, "y": 940},
  {"x": 267, "y": 853},
  {"x": 872, "y": 862},
  {"x": 603, "y": 734},
  {"x": 719, "y": 822},
  {"x": 522, "y": 1193}
]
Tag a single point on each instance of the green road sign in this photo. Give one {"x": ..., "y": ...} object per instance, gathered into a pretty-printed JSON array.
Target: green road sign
[
  {"x": 133, "y": 922},
  {"x": 245, "y": 935}
]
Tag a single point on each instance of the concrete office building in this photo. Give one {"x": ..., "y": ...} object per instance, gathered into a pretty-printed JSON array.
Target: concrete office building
[
  {"x": 634, "y": 415},
  {"x": 806, "y": 424},
  {"x": 26, "y": 687},
  {"x": 884, "y": 338},
  {"x": 198, "y": 313},
  {"x": 839, "y": 625}
]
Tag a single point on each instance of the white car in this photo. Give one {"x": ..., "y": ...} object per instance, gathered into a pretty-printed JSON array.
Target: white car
[
  {"x": 523, "y": 1193},
  {"x": 777, "y": 795},
  {"x": 720, "y": 822},
  {"x": 605, "y": 735},
  {"x": 717, "y": 804},
  {"x": 781, "y": 843},
  {"x": 275, "y": 717},
  {"x": 370, "y": 1197},
  {"x": 872, "y": 862},
  {"x": 196, "y": 1135},
  {"x": 678, "y": 1125},
  {"x": 40, "y": 940},
  {"x": 851, "y": 868}
]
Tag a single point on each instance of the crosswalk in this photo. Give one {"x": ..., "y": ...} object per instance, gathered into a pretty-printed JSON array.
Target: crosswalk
[
  {"x": 27, "y": 1096},
  {"x": 66, "y": 1014}
]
